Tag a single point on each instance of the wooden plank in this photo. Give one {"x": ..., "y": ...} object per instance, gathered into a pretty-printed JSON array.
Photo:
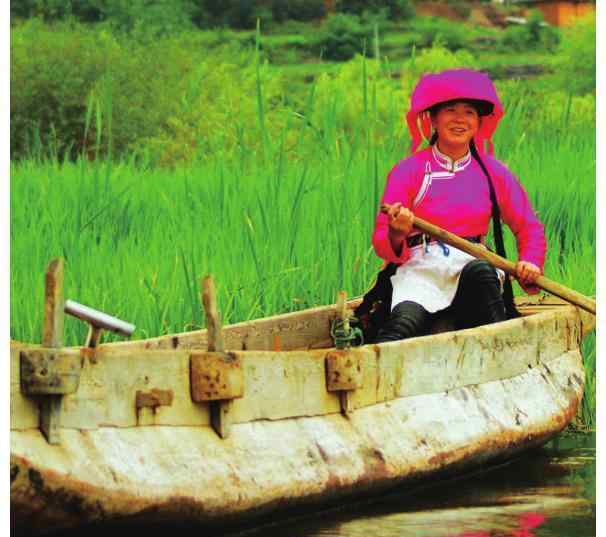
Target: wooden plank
[
  {"x": 221, "y": 417},
  {"x": 297, "y": 330},
  {"x": 52, "y": 336},
  {"x": 213, "y": 321},
  {"x": 50, "y": 418},
  {"x": 52, "y": 332},
  {"x": 280, "y": 385},
  {"x": 341, "y": 306},
  {"x": 219, "y": 409},
  {"x": 307, "y": 329},
  {"x": 24, "y": 410},
  {"x": 108, "y": 391}
]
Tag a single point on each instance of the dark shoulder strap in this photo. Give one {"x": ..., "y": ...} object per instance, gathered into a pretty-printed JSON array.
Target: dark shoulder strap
[{"x": 512, "y": 312}]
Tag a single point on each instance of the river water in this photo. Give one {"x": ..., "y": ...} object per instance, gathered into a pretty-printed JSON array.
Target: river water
[{"x": 549, "y": 492}]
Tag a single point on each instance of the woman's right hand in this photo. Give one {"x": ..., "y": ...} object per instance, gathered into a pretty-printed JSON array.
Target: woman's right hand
[{"x": 401, "y": 220}]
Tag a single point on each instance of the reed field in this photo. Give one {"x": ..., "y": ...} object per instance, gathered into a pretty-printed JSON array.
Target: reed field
[{"x": 281, "y": 212}]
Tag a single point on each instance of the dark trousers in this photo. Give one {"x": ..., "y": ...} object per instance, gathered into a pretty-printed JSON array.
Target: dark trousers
[{"x": 478, "y": 301}]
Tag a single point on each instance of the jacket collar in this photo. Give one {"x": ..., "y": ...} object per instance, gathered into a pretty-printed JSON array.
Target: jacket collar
[{"x": 447, "y": 163}]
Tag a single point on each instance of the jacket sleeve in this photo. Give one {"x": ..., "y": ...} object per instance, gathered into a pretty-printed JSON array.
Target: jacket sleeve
[
  {"x": 398, "y": 188},
  {"x": 518, "y": 214}
]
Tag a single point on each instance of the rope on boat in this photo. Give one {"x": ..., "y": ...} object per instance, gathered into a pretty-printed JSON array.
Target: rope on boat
[{"x": 344, "y": 335}]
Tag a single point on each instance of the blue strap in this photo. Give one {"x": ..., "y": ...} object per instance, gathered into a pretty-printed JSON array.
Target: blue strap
[{"x": 445, "y": 248}]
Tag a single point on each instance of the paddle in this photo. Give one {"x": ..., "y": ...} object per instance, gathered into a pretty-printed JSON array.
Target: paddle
[{"x": 480, "y": 252}]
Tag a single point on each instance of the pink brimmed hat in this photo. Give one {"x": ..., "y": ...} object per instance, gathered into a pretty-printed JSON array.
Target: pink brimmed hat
[{"x": 450, "y": 85}]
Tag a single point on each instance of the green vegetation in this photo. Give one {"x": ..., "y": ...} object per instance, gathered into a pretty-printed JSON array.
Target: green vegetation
[
  {"x": 147, "y": 162},
  {"x": 534, "y": 34},
  {"x": 60, "y": 69},
  {"x": 576, "y": 61}
]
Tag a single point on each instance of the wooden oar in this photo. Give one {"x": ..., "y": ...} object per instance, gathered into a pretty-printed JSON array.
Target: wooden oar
[{"x": 480, "y": 252}]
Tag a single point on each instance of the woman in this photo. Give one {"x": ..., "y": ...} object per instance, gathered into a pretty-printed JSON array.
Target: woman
[{"x": 455, "y": 185}]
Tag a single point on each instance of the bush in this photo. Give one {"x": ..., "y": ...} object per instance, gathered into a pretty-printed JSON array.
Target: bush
[
  {"x": 576, "y": 59},
  {"x": 434, "y": 29},
  {"x": 400, "y": 9},
  {"x": 240, "y": 14},
  {"x": 516, "y": 38},
  {"x": 535, "y": 34},
  {"x": 299, "y": 10},
  {"x": 156, "y": 18},
  {"x": 433, "y": 60},
  {"x": 217, "y": 110},
  {"x": 167, "y": 94},
  {"x": 163, "y": 15},
  {"x": 342, "y": 36},
  {"x": 341, "y": 108},
  {"x": 52, "y": 73},
  {"x": 47, "y": 10},
  {"x": 460, "y": 7}
]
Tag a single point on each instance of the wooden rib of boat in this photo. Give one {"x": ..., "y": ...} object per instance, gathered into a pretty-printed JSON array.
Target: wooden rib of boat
[{"x": 302, "y": 423}]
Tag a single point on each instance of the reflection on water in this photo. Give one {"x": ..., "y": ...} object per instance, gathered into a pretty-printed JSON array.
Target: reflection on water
[
  {"x": 546, "y": 493},
  {"x": 526, "y": 523}
]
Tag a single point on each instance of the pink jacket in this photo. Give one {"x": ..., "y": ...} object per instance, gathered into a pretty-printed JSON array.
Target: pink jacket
[{"x": 459, "y": 202}]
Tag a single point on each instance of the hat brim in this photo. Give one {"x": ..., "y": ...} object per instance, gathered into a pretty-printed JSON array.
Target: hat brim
[{"x": 484, "y": 108}]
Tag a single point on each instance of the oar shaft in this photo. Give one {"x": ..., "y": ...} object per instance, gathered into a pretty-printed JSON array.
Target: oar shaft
[
  {"x": 481, "y": 252},
  {"x": 496, "y": 260}
]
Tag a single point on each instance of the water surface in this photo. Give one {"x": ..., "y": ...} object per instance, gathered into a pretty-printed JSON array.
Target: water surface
[{"x": 549, "y": 492}]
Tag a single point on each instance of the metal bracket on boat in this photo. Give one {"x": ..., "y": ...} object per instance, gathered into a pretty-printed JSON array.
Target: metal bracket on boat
[
  {"x": 216, "y": 376},
  {"x": 343, "y": 375},
  {"x": 342, "y": 333},
  {"x": 153, "y": 399},
  {"x": 49, "y": 372},
  {"x": 343, "y": 368}
]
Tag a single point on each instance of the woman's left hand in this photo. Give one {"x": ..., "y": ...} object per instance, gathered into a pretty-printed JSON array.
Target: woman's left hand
[{"x": 527, "y": 274}]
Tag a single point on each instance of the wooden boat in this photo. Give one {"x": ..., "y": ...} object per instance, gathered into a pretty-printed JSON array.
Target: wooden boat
[{"x": 164, "y": 429}]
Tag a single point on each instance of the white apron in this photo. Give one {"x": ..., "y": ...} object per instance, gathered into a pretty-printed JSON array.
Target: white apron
[{"x": 430, "y": 278}]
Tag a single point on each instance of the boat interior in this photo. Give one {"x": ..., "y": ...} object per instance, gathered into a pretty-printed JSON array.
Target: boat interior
[{"x": 302, "y": 330}]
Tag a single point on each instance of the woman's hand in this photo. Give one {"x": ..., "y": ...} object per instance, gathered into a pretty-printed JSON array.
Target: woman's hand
[
  {"x": 527, "y": 274},
  {"x": 401, "y": 221}
]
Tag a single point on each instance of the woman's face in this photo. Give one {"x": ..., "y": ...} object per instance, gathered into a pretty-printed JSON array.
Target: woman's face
[{"x": 456, "y": 124}]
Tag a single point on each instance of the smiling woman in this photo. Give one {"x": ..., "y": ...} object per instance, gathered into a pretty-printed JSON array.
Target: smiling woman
[
  {"x": 455, "y": 124},
  {"x": 455, "y": 185}
]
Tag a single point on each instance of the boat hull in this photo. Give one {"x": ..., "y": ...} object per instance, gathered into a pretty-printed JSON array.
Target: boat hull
[{"x": 409, "y": 430}]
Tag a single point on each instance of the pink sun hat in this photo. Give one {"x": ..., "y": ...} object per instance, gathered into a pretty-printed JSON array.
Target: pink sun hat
[{"x": 451, "y": 85}]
